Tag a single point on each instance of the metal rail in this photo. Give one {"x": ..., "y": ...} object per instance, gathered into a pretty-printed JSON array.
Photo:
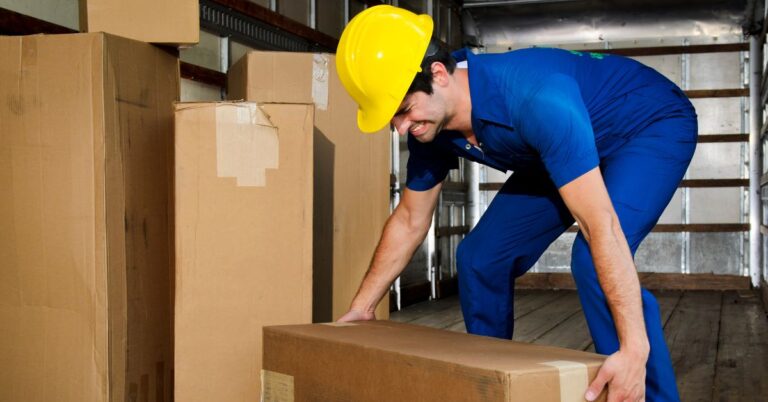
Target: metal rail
[{"x": 667, "y": 50}]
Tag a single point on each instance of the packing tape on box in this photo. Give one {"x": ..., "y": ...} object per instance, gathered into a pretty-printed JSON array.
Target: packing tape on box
[
  {"x": 574, "y": 379},
  {"x": 276, "y": 387},
  {"x": 246, "y": 143},
  {"x": 320, "y": 80}
]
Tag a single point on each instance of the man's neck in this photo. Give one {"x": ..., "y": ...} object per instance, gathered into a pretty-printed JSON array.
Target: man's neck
[{"x": 462, "y": 118}]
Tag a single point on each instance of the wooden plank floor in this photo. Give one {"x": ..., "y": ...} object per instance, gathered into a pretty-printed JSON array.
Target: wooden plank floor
[{"x": 718, "y": 340}]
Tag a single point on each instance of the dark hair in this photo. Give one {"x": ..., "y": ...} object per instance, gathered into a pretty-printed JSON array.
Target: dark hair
[{"x": 435, "y": 52}]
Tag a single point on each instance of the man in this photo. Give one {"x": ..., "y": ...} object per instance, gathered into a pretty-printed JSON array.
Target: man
[{"x": 594, "y": 138}]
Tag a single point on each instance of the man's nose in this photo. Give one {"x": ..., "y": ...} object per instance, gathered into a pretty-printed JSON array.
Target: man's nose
[{"x": 401, "y": 124}]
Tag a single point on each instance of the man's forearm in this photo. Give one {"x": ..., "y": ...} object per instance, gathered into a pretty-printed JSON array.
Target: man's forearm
[
  {"x": 624, "y": 370},
  {"x": 399, "y": 241},
  {"x": 617, "y": 275}
]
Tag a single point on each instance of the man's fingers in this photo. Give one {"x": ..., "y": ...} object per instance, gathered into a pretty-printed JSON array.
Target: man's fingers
[
  {"x": 356, "y": 315},
  {"x": 603, "y": 376}
]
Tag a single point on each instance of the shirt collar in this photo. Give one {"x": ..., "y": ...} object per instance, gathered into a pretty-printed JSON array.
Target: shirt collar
[{"x": 485, "y": 89}]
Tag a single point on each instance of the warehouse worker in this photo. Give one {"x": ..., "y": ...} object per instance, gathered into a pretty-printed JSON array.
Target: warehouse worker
[{"x": 599, "y": 139}]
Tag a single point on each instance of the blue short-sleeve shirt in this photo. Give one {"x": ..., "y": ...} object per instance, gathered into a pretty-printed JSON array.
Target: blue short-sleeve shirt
[{"x": 547, "y": 111}]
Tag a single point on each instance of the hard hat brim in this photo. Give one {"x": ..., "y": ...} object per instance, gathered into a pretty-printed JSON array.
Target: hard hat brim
[{"x": 373, "y": 122}]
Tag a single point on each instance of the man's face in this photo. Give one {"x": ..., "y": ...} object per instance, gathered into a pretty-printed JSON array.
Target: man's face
[{"x": 420, "y": 114}]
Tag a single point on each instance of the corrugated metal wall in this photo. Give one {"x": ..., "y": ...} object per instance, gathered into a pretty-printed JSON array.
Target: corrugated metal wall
[
  {"x": 705, "y": 227},
  {"x": 693, "y": 252},
  {"x": 682, "y": 251}
]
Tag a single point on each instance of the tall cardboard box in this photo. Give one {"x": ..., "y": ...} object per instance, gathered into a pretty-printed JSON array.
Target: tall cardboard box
[
  {"x": 168, "y": 22},
  {"x": 243, "y": 195},
  {"x": 86, "y": 123},
  {"x": 351, "y": 169},
  {"x": 388, "y": 361}
]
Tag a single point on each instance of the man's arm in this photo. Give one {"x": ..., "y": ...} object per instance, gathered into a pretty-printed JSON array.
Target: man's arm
[
  {"x": 624, "y": 371},
  {"x": 402, "y": 234}
]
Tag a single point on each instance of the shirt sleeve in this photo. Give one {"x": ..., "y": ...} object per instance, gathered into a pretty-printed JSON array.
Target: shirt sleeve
[
  {"x": 554, "y": 121},
  {"x": 428, "y": 164}
]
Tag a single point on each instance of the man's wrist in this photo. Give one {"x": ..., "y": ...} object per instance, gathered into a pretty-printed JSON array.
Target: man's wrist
[
  {"x": 638, "y": 348},
  {"x": 363, "y": 307}
]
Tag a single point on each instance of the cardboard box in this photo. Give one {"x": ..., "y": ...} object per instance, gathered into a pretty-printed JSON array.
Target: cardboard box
[
  {"x": 168, "y": 22},
  {"x": 86, "y": 123},
  {"x": 389, "y": 361},
  {"x": 351, "y": 169},
  {"x": 243, "y": 240}
]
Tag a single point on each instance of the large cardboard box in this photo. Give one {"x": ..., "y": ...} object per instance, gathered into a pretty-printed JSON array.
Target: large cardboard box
[
  {"x": 351, "y": 169},
  {"x": 169, "y": 22},
  {"x": 86, "y": 123},
  {"x": 243, "y": 240},
  {"x": 389, "y": 361}
]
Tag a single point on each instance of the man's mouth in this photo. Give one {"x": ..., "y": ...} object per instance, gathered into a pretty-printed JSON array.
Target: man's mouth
[{"x": 418, "y": 129}]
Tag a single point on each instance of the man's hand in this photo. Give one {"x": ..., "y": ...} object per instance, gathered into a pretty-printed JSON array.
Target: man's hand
[
  {"x": 357, "y": 315},
  {"x": 624, "y": 373}
]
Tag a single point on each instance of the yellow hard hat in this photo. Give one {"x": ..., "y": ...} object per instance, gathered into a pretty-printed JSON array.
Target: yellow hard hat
[{"x": 379, "y": 54}]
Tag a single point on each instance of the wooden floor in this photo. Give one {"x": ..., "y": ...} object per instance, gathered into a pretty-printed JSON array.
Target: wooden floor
[{"x": 718, "y": 340}]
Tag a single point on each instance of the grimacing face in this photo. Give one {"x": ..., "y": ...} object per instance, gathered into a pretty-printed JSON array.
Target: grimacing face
[{"x": 422, "y": 115}]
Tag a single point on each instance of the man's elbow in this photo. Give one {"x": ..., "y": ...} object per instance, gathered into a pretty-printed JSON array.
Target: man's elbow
[
  {"x": 414, "y": 225},
  {"x": 602, "y": 223},
  {"x": 419, "y": 226}
]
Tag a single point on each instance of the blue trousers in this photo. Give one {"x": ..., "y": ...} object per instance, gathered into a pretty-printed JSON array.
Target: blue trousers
[{"x": 527, "y": 215}]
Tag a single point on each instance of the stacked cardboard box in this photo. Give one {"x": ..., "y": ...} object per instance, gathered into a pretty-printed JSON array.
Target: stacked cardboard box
[
  {"x": 86, "y": 123},
  {"x": 243, "y": 240},
  {"x": 351, "y": 169},
  {"x": 388, "y": 361},
  {"x": 168, "y": 22}
]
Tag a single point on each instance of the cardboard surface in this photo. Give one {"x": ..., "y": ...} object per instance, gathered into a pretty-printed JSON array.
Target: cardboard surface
[
  {"x": 86, "y": 122},
  {"x": 351, "y": 169},
  {"x": 243, "y": 251},
  {"x": 390, "y": 361},
  {"x": 170, "y": 22}
]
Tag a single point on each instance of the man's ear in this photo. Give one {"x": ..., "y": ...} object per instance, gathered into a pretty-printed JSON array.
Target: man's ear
[{"x": 440, "y": 74}]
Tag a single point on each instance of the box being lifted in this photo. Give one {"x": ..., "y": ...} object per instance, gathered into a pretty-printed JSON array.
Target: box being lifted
[
  {"x": 243, "y": 196},
  {"x": 86, "y": 124},
  {"x": 351, "y": 180},
  {"x": 166, "y": 22},
  {"x": 389, "y": 361}
]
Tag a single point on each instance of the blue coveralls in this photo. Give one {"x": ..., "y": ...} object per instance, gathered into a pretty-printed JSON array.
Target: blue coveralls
[{"x": 550, "y": 116}]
